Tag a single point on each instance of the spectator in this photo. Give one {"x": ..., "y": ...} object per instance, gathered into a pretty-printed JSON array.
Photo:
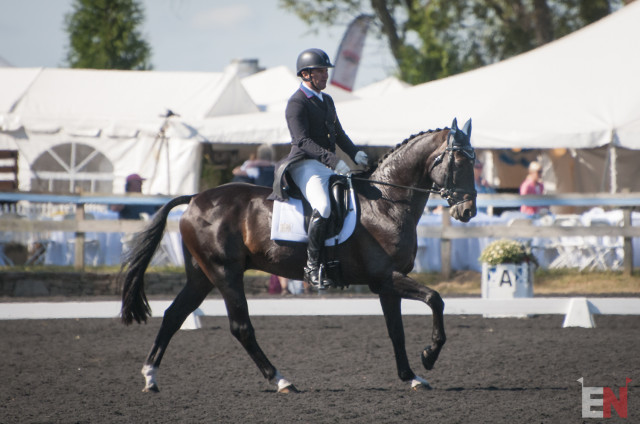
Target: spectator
[
  {"x": 482, "y": 186},
  {"x": 133, "y": 185},
  {"x": 258, "y": 169},
  {"x": 532, "y": 185},
  {"x": 285, "y": 286}
]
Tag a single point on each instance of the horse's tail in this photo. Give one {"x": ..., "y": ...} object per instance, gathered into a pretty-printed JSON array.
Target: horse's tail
[{"x": 135, "y": 305}]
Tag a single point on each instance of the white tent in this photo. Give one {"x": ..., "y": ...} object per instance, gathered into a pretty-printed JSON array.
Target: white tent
[
  {"x": 579, "y": 92},
  {"x": 271, "y": 89},
  {"x": 387, "y": 86},
  {"x": 91, "y": 128}
]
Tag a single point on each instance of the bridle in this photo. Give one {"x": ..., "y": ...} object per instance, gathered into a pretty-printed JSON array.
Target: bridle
[{"x": 448, "y": 192}]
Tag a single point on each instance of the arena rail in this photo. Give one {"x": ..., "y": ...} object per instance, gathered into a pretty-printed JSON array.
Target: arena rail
[
  {"x": 577, "y": 311},
  {"x": 445, "y": 233}
]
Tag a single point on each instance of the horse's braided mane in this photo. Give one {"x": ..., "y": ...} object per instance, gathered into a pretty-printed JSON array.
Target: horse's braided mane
[{"x": 396, "y": 148}]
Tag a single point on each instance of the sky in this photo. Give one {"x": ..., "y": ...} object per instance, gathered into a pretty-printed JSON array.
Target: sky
[{"x": 188, "y": 35}]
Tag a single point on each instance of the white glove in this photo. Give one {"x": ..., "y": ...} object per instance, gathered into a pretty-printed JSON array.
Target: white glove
[
  {"x": 361, "y": 158},
  {"x": 342, "y": 168}
]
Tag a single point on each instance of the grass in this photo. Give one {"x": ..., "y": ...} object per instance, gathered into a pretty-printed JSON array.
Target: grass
[{"x": 545, "y": 282}]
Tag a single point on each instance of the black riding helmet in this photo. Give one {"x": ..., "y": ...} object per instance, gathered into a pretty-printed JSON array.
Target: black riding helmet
[{"x": 312, "y": 59}]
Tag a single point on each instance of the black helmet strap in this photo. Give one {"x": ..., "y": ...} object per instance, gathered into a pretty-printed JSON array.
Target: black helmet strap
[{"x": 308, "y": 79}]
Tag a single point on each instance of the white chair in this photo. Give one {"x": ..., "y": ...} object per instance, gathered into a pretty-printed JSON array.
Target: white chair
[
  {"x": 91, "y": 245},
  {"x": 164, "y": 256},
  {"x": 91, "y": 251},
  {"x": 607, "y": 252},
  {"x": 39, "y": 252},
  {"x": 4, "y": 259},
  {"x": 570, "y": 251}
]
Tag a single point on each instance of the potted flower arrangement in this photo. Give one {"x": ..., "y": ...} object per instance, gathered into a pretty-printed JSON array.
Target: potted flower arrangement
[{"x": 507, "y": 270}]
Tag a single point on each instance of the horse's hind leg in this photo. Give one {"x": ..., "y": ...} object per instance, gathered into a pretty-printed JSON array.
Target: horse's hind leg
[
  {"x": 189, "y": 298},
  {"x": 403, "y": 287},
  {"x": 240, "y": 325}
]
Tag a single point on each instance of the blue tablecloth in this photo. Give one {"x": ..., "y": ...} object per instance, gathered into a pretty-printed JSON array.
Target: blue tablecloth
[
  {"x": 574, "y": 252},
  {"x": 107, "y": 248}
]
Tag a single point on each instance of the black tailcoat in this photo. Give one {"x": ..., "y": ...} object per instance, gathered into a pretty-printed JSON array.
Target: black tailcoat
[{"x": 315, "y": 131}]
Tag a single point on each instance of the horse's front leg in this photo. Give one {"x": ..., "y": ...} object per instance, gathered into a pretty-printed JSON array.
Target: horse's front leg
[
  {"x": 403, "y": 287},
  {"x": 393, "y": 318}
]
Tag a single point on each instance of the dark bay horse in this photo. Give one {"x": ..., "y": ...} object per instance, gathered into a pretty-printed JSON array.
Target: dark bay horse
[{"x": 226, "y": 230}]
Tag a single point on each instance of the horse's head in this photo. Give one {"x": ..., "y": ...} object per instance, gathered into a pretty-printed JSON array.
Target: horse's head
[{"x": 452, "y": 172}]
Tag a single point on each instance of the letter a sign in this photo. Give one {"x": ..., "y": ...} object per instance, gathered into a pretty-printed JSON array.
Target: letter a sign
[{"x": 505, "y": 278}]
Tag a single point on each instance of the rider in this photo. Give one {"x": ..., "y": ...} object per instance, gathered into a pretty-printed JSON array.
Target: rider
[{"x": 315, "y": 131}]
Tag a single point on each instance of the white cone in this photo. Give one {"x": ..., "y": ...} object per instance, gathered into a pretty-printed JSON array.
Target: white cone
[
  {"x": 193, "y": 321},
  {"x": 578, "y": 314}
]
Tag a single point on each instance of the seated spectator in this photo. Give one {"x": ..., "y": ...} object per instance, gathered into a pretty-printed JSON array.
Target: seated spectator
[
  {"x": 532, "y": 184},
  {"x": 482, "y": 186},
  {"x": 258, "y": 169},
  {"x": 133, "y": 185}
]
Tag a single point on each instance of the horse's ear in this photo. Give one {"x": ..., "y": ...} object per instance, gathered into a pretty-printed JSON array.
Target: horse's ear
[
  {"x": 467, "y": 128},
  {"x": 454, "y": 124}
]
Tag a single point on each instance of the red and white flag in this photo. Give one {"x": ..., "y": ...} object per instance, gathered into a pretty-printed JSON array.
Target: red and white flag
[{"x": 350, "y": 52}]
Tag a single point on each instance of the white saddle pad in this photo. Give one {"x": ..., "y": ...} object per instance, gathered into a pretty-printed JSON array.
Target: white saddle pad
[{"x": 288, "y": 222}]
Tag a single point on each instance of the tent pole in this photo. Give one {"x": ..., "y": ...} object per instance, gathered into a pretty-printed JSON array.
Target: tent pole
[
  {"x": 166, "y": 141},
  {"x": 613, "y": 161}
]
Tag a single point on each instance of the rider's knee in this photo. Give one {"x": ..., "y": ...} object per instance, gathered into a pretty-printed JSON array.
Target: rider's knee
[{"x": 324, "y": 209}]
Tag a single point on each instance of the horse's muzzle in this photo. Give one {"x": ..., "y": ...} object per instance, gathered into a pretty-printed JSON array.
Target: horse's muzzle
[{"x": 464, "y": 210}]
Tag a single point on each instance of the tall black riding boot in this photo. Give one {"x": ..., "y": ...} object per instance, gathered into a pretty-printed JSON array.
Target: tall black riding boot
[{"x": 314, "y": 269}]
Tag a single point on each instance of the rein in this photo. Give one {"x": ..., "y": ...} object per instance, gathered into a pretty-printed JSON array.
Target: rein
[
  {"x": 445, "y": 193},
  {"x": 421, "y": 190}
]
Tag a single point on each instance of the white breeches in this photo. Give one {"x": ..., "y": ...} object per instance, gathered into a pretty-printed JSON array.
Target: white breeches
[{"x": 313, "y": 179}]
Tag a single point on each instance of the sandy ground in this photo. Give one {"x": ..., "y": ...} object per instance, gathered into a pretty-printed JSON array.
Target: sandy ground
[{"x": 490, "y": 371}]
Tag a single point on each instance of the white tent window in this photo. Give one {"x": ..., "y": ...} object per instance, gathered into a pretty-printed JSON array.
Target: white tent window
[{"x": 71, "y": 168}]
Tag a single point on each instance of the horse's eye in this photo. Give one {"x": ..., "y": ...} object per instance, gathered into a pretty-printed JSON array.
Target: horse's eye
[{"x": 469, "y": 152}]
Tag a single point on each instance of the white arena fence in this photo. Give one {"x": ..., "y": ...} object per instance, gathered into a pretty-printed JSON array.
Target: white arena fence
[{"x": 606, "y": 243}]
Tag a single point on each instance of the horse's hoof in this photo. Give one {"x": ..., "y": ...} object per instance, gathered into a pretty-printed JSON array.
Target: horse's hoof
[
  {"x": 428, "y": 358},
  {"x": 420, "y": 384},
  {"x": 289, "y": 389},
  {"x": 152, "y": 388}
]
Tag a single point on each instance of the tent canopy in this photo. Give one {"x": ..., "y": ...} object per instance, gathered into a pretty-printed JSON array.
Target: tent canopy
[
  {"x": 70, "y": 97},
  {"x": 271, "y": 89},
  {"x": 86, "y": 128},
  {"x": 581, "y": 91}
]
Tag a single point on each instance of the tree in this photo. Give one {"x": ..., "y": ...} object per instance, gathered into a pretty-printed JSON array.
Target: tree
[
  {"x": 432, "y": 39},
  {"x": 103, "y": 34}
]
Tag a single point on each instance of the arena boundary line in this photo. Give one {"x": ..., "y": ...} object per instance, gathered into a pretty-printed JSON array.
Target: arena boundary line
[{"x": 578, "y": 311}]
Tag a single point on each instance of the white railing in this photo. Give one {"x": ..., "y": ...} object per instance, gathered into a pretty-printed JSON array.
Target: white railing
[{"x": 82, "y": 204}]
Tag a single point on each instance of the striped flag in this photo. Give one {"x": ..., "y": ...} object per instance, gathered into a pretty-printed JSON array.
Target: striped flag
[{"x": 350, "y": 52}]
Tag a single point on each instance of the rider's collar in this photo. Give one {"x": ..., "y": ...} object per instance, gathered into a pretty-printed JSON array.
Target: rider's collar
[{"x": 309, "y": 92}]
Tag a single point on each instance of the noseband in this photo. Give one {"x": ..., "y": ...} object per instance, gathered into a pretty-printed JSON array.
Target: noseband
[{"x": 449, "y": 191}]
